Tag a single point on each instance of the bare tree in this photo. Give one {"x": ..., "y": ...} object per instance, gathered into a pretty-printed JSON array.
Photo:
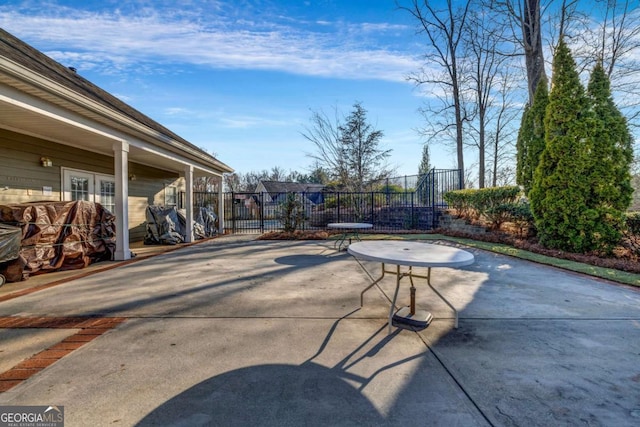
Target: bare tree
[
  {"x": 613, "y": 41},
  {"x": 234, "y": 182},
  {"x": 443, "y": 29},
  {"x": 525, "y": 19},
  {"x": 208, "y": 184},
  {"x": 488, "y": 72},
  {"x": 502, "y": 137},
  {"x": 324, "y": 134}
]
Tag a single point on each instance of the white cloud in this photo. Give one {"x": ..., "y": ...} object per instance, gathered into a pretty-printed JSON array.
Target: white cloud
[
  {"x": 177, "y": 111},
  {"x": 243, "y": 122},
  {"x": 115, "y": 42}
]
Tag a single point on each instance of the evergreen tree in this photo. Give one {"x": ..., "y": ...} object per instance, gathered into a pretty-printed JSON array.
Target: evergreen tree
[
  {"x": 561, "y": 185},
  {"x": 612, "y": 154},
  {"x": 537, "y": 141},
  {"x": 359, "y": 148},
  {"x": 425, "y": 163},
  {"x": 522, "y": 147},
  {"x": 531, "y": 140}
]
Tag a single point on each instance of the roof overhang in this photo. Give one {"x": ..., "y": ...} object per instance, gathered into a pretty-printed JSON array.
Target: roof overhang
[{"x": 34, "y": 105}]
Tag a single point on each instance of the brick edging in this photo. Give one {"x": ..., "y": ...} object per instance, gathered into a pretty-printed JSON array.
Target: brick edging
[{"x": 90, "y": 328}]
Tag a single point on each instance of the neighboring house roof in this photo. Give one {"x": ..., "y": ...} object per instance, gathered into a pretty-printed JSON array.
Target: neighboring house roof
[
  {"x": 31, "y": 71},
  {"x": 273, "y": 187},
  {"x": 278, "y": 189}
]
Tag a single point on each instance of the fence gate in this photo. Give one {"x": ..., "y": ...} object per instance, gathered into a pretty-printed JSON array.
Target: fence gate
[{"x": 245, "y": 213}]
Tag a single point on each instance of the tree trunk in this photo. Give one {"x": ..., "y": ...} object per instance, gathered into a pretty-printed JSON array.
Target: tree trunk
[{"x": 532, "y": 41}]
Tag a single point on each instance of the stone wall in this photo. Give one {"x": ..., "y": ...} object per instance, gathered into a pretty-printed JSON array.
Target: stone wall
[{"x": 450, "y": 222}]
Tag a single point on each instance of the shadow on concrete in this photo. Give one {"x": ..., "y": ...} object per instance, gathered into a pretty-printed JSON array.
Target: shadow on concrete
[
  {"x": 305, "y": 260},
  {"x": 308, "y": 394}
]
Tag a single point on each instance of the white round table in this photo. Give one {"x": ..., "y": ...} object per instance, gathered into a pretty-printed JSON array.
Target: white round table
[
  {"x": 349, "y": 231},
  {"x": 410, "y": 254}
]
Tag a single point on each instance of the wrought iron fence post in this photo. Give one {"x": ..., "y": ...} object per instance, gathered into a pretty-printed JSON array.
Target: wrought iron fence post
[
  {"x": 432, "y": 198},
  {"x": 372, "y": 209},
  {"x": 261, "y": 197},
  {"x": 303, "y": 202},
  {"x": 233, "y": 211},
  {"x": 414, "y": 223}
]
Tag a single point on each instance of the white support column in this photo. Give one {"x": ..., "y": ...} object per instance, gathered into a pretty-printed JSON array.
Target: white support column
[
  {"x": 188, "y": 178},
  {"x": 220, "y": 212},
  {"x": 121, "y": 166}
]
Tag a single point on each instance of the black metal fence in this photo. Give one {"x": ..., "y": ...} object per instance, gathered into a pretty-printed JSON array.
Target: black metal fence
[{"x": 388, "y": 210}]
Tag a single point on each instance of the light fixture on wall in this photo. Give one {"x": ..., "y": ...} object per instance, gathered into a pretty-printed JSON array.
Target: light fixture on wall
[
  {"x": 132, "y": 177},
  {"x": 46, "y": 162}
]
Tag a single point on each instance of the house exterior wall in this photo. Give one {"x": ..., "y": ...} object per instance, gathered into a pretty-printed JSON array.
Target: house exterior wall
[{"x": 23, "y": 179}]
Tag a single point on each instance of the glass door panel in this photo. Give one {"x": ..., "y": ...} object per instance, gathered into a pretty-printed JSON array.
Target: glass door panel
[
  {"x": 106, "y": 192},
  {"x": 78, "y": 185}
]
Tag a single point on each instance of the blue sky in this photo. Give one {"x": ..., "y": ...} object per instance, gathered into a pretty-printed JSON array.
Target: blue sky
[{"x": 240, "y": 78}]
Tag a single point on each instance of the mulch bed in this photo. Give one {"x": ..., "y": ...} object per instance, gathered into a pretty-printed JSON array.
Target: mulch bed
[{"x": 624, "y": 257}]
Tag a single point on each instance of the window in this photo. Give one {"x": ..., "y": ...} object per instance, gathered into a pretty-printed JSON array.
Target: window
[
  {"x": 108, "y": 195},
  {"x": 80, "y": 188},
  {"x": 170, "y": 196}
]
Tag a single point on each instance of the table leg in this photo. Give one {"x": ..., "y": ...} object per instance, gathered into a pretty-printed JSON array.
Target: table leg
[
  {"x": 375, "y": 282},
  {"x": 395, "y": 297}
]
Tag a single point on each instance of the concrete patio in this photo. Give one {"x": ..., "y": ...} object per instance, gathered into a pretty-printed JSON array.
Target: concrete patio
[{"x": 237, "y": 332}]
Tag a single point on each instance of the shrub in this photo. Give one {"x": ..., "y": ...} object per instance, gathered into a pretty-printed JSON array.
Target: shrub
[
  {"x": 291, "y": 213},
  {"x": 632, "y": 232},
  {"x": 497, "y": 215},
  {"x": 520, "y": 214},
  {"x": 473, "y": 204},
  {"x": 632, "y": 222},
  {"x": 390, "y": 188}
]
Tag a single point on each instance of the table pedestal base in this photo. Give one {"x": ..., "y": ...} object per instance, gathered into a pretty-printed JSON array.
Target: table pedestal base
[
  {"x": 417, "y": 321},
  {"x": 417, "y": 316}
]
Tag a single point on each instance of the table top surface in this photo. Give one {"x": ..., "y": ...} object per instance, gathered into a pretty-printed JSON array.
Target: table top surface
[
  {"x": 349, "y": 225},
  {"x": 415, "y": 254}
]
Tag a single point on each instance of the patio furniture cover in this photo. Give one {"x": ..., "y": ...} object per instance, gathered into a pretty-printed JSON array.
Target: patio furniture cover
[
  {"x": 167, "y": 226},
  {"x": 61, "y": 235},
  {"x": 9, "y": 242}
]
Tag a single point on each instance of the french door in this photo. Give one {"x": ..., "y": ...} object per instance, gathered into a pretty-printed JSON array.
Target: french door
[{"x": 89, "y": 186}]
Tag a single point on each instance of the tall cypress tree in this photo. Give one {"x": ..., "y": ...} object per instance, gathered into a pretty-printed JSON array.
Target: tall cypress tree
[
  {"x": 425, "y": 163},
  {"x": 522, "y": 148},
  {"x": 531, "y": 141},
  {"x": 537, "y": 142},
  {"x": 612, "y": 154},
  {"x": 559, "y": 196}
]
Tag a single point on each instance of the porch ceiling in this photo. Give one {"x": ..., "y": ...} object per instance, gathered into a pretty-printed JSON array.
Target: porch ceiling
[{"x": 38, "y": 123}]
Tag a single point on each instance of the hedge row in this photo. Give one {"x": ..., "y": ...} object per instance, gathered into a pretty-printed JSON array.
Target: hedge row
[
  {"x": 498, "y": 205},
  {"x": 475, "y": 204}
]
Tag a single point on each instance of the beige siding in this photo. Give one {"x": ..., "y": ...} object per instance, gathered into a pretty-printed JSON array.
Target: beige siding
[
  {"x": 147, "y": 189},
  {"x": 23, "y": 179}
]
